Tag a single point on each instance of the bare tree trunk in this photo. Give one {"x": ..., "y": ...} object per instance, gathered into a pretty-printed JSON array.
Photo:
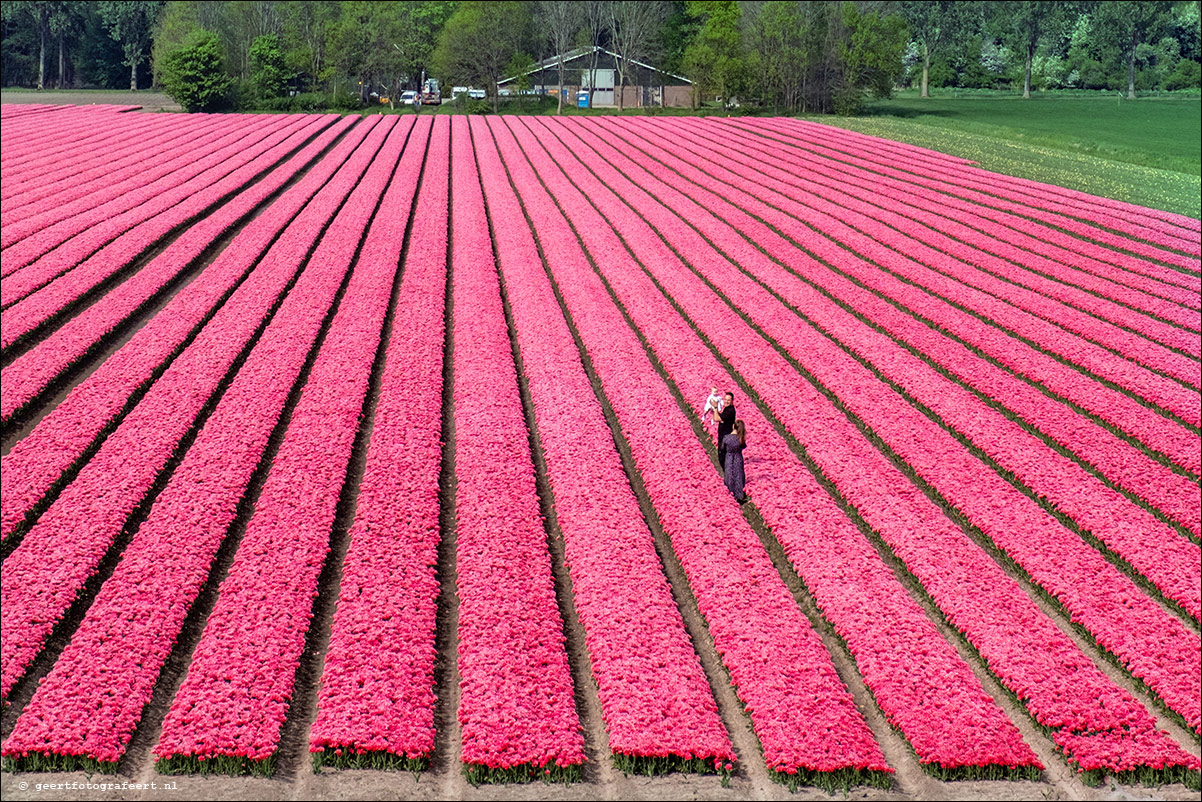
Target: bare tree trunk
[
  {"x": 559, "y": 92},
  {"x": 1027, "y": 78},
  {"x": 62, "y": 60},
  {"x": 926, "y": 71},
  {"x": 1131, "y": 70},
  {"x": 133, "y": 76},
  {"x": 592, "y": 79},
  {"x": 42, "y": 59}
]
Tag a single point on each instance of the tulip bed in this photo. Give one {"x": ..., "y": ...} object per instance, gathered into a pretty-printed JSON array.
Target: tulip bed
[
  {"x": 782, "y": 400},
  {"x": 32, "y": 373},
  {"x": 373, "y": 711},
  {"x": 41, "y": 249},
  {"x": 54, "y": 298},
  {"x": 55, "y": 558},
  {"x": 167, "y": 562},
  {"x": 370, "y": 440},
  {"x": 516, "y": 705},
  {"x": 122, "y": 150},
  {"x": 59, "y": 442},
  {"x": 642, "y": 661},
  {"x": 228, "y": 710}
]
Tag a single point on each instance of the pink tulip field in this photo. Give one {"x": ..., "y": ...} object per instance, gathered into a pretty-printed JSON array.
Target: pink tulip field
[{"x": 375, "y": 443}]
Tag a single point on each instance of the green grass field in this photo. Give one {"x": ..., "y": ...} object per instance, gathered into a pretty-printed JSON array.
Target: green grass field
[{"x": 1147, "y": 151}]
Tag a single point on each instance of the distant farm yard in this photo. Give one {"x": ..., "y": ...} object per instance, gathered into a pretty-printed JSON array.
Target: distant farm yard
[{"x": 362, "y": 453}]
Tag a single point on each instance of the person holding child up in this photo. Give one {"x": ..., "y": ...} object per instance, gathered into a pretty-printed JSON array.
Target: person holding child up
[{"x": 726, "y": 422}]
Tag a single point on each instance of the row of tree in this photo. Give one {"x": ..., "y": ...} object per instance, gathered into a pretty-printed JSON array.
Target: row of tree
[
  {"x": 98, "y": 43},
  {"x": 707, "y": 41},
  {"x": 796, "y": 56},
  {"x": 1134, "y": 44}
]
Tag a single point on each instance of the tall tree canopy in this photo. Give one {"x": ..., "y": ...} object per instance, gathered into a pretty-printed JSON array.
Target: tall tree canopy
[
  {"x": 1026, "y": 23},
  {"x": 480, "y": 40},
  {"x": 934, "y": 24},
  {"x": 791, "y": 54},
  {"x": 131, "y": 23},
  {"x": 634, "y": 27},
  {"x": 714, "y": 60},
  {"x": 821, "y": 56},
  {"x": 1131, "y": 24}
]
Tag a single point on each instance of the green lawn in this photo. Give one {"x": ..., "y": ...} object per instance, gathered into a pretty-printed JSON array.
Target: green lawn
[{"x": 1147, "y": 151}]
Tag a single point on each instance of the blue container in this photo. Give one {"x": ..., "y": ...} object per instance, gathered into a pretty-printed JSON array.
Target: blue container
[{"x": 582, "y": 100}]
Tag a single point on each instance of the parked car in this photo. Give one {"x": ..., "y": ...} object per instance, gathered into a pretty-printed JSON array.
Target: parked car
[
  {"x": 469, "y": 92},
  {"x": 409, "y": 97}
]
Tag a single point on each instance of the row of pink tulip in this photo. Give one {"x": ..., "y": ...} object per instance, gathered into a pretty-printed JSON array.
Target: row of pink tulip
[
  {"x": 927, "y": 199},
  {"x": 36, "y": 462},
  {"x": 655, "y": 699},
  {"x": 802, "y": 713},
  {"x": 39, "y": 150},
  {"x": 961, "y": 578},
  {"x": 901, "y": 655},
  {"x": 29, "y": 375},
  {"x": 34, "y": 151},
  {"x": 44, "y": 575},
  {"x": 54, "y": 223},
  {"x": 1119, "y": 461},
  {"x": 1127, "y": 326},
  {"x": 995, "y": 249},
  {"x": 377, "y": 686},
  {"x": 59, "y": 210},
  {"x": 1068, "y": 569},
  {"x": 142, "y": 607},
  {"x": 13, "y": 111},
  {"x": 1084, "y": 215},
  {"x": 33, "y": 312},
  {"x": 17, "y": 110},
  {"x": 1170, "y": 562},
  {"x": 58, "y": 246},
  {"x": 33, "y": 138},
  {"x": 235, "y": 698},
  {"x": 1028, "y": 315},
  {"x": 516, "y": 707},
  {"x": 126, "y": 148},
  {"x": 1119, "y": 411},
  {"x": 1153, "y": 232},
  {"x": 850, "y": 255}
]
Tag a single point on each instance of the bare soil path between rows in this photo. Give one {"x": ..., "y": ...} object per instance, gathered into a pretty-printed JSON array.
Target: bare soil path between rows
[{"x": 149, "y": 101}]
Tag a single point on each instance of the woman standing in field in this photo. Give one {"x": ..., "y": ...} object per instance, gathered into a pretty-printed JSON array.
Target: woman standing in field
[{"x": 733, "y": 444}]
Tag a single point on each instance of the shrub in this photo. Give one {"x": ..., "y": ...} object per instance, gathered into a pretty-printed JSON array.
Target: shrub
[
  {"x": 193, "y": 75},
  {"x": 1187, "y": 75},
  {"x": 269, "y": 74}
]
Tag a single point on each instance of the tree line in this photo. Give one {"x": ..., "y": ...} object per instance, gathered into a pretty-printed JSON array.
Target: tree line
[{"x": 820, "y": 56}]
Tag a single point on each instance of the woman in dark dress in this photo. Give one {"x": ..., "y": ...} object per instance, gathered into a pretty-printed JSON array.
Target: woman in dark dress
[{"x": 734, "y": 444}]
